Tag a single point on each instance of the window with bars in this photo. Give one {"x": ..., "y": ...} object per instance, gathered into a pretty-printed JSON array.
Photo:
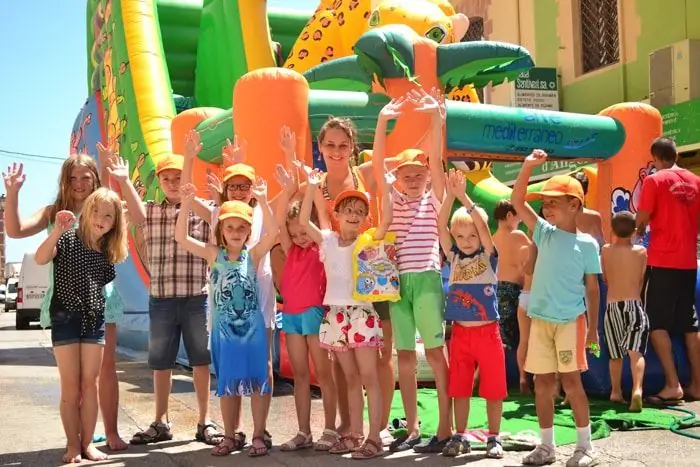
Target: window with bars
[
  {"x": 600, "y": 35},
  {"x": 475, "y": 33}
]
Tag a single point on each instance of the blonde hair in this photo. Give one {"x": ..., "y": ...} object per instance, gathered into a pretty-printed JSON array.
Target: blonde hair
[
  {"x": 113, "y": 244},
  {"x": 64, "y": 200},
  {"x": 462, "y": 217}
]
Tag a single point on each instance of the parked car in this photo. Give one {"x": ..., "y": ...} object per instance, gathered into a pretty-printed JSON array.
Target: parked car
[
  {"x": 11, "y": 294},
  {"x": 3, "y": 287},
  {"x": 33, "y": 284}
]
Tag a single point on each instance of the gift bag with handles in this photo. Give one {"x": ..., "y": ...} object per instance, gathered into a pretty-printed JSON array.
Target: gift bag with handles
[{"x": 375, "y": 269}]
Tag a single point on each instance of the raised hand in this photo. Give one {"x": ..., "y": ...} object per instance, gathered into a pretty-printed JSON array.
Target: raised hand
[
  {"x": 285, "y": 179},
  {"x": 536, "y": 158},
  {"x": 433, "y": 102},
  {"x": 393, "y": 109},
  {"x": 118, "y": 169},
  {"x": 192, "y": 144},
  {"x": 14, "y": 177},
  {"x": 315, "y": 177},
  {"x": 259, "y": 190},
  {"x": 214, "y": 185},
  {"x": 234, "y": 153},
  {"x": 106, "y": 153},
  {"x": 187, "y": 192},
  {"x": 456, "y": 182},
  {"x": 288, "y": 140},
  {"x": 65, "y": 220},
  {"x": 303, "y": 168}
]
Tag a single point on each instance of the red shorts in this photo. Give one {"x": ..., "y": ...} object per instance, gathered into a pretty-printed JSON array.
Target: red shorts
[{"x": 482, "y": 347}]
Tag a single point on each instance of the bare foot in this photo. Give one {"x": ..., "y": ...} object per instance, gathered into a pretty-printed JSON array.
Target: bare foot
[
  {"x": 636, "y": 403},
  {"x": 115, "y": 443},
  {"x": 92, "y": 453},
  {"x": 617, "y": 398},
  {"x": 72, "y": 456}
]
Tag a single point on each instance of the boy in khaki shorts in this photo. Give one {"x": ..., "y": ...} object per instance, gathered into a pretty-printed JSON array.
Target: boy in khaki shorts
[{"x": 566, "y": 273}]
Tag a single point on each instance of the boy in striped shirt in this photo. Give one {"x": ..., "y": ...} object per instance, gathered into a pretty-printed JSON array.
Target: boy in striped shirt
[{"x": 421, "y": 307}]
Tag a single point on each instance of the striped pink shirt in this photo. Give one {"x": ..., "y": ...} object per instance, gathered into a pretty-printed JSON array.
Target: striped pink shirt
[{"x": 415, "y": 225}]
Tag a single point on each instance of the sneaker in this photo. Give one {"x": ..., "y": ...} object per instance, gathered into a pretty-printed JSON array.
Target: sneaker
[
  {"x": 494, "y": 448},
  {"x": 542, "y": 455},
  {"x": 582, "y": 458}
]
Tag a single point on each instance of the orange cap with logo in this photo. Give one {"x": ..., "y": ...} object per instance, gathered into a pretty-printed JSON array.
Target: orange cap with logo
[
  {"x": 237, "y": 209},
  {"x": 560, "y": 185},
  {"x": 351, "y": 194},
  {"x": 239, "y": 169},
  {"x": 170, "y": 162},
  {"x": 411, "y": 157}
]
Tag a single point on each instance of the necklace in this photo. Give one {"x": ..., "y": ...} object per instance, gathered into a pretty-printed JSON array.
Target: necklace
[
  {"x": 324, "y": 185},
  {"x": 241, "y": 256}
]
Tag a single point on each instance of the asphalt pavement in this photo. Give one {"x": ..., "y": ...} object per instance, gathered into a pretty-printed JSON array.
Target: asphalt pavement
[{"x": 31, "y": 432}]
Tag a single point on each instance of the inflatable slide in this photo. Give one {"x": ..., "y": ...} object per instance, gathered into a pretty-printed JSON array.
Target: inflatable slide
[{"x": 159, "y": 68}]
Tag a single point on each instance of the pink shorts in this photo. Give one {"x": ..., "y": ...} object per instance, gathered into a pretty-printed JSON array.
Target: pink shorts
[
  {"x": 482, "y": 347},
  {"x": 349, "y": 327}
]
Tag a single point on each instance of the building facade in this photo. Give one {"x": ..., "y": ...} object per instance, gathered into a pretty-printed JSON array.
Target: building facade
[{"x": 606, "y": 52}]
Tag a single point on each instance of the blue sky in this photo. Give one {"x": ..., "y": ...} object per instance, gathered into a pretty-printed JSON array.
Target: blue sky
[{"x": 43, "y": 87}]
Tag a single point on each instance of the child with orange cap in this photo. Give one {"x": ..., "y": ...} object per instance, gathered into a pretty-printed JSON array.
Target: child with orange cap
[
  {"x": 178, "y": 300},
  {"x": 239, "y": 341},
  {"x": 564, "y": 293}
]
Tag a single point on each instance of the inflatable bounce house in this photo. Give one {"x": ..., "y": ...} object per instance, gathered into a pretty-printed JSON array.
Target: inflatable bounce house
[{"x": 159, "y": 68}]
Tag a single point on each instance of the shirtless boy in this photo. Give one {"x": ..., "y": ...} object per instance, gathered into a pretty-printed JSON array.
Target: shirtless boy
[
  {"x": 589, "y": 221},
  {"x": 626, "y": 324},
  {"x": 511, "y": 245}
]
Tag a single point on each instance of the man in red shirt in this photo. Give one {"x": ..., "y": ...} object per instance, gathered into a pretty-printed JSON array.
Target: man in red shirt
[{"x": 670, "y": 205}]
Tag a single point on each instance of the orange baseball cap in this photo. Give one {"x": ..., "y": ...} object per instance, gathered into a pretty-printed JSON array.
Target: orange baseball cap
[
  {"x": 559, "y": 185},
  {"x": 237, "y": 209},
  {"x": 239, "y": 169},
  {"x": 352, "y": 194},
  {"x": 170, "y": 162},
  {"x": 411, "y": 157}
]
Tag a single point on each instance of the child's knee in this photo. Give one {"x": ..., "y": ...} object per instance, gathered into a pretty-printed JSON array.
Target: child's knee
[
  {"x": 436, "y": 356},
  {"x": 407, "y": 361},
  {"x": 571, "y": 382},
  {"x": 545, "y": 384}
]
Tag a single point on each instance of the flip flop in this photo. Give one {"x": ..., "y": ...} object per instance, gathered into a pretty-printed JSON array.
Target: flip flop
[{"x": 660, "y": 401}]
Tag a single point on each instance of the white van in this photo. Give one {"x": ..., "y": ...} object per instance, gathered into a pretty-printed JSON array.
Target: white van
[{"x": 33, "y": 284}]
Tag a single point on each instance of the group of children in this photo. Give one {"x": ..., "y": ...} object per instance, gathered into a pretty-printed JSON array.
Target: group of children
[{"x": 542, "y": 287}]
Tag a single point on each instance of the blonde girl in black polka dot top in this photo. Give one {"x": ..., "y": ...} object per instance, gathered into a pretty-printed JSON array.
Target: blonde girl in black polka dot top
[{"x": 83, "y": 262}]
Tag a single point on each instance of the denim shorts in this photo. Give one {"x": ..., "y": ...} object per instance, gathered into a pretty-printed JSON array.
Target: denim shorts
[
  {"x": 306, "y": 323},
  {"x": 66, "y": 328},
  {"x": 172, "y": 319}
]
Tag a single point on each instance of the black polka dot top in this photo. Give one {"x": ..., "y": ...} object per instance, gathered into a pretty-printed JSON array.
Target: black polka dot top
[{"x": 79, "y": 274}]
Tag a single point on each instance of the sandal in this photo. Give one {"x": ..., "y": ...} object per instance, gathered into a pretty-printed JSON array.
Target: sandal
[
  {"x": 541, "y": 455},
  {"x": 212, "y": 438},
  {"x": 457, "y": 445},
  {"x": 258, "y": 447},
  {"x": 300, "y": 441},
  {"x": 267, "y": 437},
  {"x": 228, "y": 445},
  {"x": 155, "y": 433},
  {"x": 327, "y": 440},
  {"x": 369, "y": 450},
  {"x": 346, "y": 444}
]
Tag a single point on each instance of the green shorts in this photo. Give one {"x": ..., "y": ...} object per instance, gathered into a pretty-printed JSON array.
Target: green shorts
[{"x": 421, "y": 308}]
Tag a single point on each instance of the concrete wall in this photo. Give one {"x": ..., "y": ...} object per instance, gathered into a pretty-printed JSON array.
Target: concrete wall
[{"x": 550, "y": 30}]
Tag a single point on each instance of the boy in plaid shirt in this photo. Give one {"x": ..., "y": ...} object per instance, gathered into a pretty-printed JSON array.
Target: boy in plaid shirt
[{"x": 177, "y": 305}]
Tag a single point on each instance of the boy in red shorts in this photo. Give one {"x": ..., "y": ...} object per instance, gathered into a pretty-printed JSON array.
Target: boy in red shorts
[{"x": 472, "y": 306}]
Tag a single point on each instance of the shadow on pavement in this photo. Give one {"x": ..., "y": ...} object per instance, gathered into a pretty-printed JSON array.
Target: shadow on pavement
[{"x": 27, "y": 356}]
